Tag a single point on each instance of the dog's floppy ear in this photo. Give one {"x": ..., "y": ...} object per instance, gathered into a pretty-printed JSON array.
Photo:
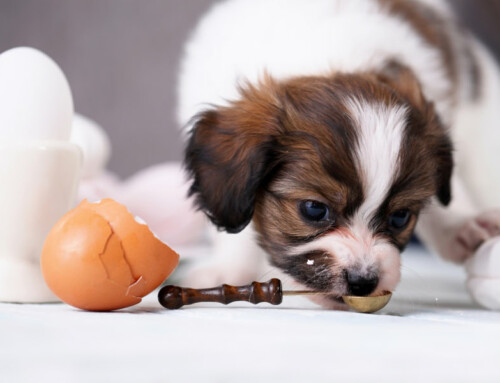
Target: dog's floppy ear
[
  {"x": 404, "y": 82},
  {"x": 444, "y": 155},
  {"x": 402, "y": 79},
  {"x": 229, "y": 155}
]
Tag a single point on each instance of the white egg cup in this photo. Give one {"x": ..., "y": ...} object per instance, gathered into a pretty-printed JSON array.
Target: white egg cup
[{"x": 38, "y": 184}]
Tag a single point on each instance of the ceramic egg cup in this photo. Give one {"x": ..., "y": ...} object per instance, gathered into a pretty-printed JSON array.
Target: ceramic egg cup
[{"x": 38, "y": 184}]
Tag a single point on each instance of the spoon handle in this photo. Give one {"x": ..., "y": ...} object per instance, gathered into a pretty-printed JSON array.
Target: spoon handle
[{"x": 174, "y": 297}]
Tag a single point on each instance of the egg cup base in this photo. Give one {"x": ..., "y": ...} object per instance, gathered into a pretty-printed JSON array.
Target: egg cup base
[{"x": 22, "y": 282}]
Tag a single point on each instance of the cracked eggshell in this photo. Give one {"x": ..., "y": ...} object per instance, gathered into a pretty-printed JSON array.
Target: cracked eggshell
[{"x": 98, "y": 257}]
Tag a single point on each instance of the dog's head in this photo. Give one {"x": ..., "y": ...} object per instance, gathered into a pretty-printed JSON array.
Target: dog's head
[{"x": 333, "y": 171}]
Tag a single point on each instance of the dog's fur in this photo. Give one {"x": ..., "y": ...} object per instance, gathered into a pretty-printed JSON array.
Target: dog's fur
[{"x": 347, "y": 108}]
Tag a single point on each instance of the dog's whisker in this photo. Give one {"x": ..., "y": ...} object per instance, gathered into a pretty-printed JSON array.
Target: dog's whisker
[
  {"x": 266, "y": 274},
  {"x": 321, "y": 270}
]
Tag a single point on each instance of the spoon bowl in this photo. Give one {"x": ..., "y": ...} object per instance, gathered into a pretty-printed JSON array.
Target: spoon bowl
[{"x": 368, "y": 304}]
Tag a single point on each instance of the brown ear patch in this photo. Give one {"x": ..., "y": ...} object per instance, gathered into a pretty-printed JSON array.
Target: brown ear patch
[
  {"x": 402, "y": 79},
  {"x": 229, "y": 155}
]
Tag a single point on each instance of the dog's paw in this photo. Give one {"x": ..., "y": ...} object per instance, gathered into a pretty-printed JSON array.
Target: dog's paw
[{"x": 470, "y": 235}]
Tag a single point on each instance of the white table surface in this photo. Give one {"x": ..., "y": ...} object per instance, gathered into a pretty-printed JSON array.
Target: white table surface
[{"x": 431, "y": 331}]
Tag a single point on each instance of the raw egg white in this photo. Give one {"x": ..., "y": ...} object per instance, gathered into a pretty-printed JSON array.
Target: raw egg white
[
  {"x": 35, "y": 97},
  {"x": 98, "y": 257}
]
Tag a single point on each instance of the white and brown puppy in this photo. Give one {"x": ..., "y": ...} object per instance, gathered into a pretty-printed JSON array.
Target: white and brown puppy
[{"x": 329, "y": 125}]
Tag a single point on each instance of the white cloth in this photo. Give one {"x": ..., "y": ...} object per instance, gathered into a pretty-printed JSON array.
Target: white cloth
[{"x": 430, "y": 331}]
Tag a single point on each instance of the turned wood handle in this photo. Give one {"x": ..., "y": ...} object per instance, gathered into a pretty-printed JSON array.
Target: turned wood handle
[{"x": 174, "y": 297}]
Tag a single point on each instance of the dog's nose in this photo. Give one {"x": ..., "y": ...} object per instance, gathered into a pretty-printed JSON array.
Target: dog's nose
[{"x": 359, "y": 284}]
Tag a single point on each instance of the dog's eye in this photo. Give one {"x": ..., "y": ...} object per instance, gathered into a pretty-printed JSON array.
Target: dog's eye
[
  {"x": 399, "y": 219},
  {"x": 314, "y": 211}
]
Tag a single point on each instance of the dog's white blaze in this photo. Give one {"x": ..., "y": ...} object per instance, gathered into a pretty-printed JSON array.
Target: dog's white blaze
[
  {"x": 331, "y": 243},
  {"x": 380, "y": 133}
]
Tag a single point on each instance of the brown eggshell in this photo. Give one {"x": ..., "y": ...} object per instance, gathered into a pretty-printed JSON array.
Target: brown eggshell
[{"x": 98, "y": 257}]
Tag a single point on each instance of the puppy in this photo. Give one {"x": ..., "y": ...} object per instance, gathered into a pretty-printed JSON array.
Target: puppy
[{"x": 328, "y": 128}]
